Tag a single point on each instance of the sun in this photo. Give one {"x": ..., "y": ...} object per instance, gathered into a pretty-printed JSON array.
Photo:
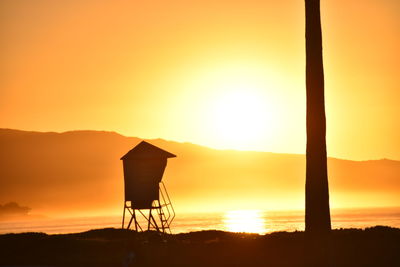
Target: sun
[
  {"x": 234, "y": 106},
  {"x": 240, "y": 118}
]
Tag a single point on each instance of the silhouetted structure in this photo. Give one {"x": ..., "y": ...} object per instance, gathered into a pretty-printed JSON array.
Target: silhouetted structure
[
  {"x": 144, "y": 167},
  {"x": 318, "y": 222},
  {"x": 317, "y": 193}
]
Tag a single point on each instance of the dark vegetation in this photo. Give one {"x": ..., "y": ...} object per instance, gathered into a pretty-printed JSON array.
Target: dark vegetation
[{"x": 377, "y": 246}]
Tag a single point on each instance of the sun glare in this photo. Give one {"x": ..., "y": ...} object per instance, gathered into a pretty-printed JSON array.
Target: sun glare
[
  {"x": 239, "y": 118},
  {"x": 244, "y": 221},
  {"x": 240, "y": 105}
]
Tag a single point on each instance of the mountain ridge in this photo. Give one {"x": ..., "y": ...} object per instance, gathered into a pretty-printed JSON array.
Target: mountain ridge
[
  {"x": 2, "y": 130},
  {"x": 81, "y": 171}
]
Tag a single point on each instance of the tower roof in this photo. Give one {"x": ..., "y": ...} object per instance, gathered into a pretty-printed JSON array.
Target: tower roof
[{"x": 147, "y": 150}]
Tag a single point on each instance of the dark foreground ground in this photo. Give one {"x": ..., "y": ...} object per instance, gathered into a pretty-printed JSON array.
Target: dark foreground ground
[{"x": 377, "y": 246}]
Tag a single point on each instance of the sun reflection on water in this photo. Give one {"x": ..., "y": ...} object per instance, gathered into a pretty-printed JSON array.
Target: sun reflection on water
[{"x": 244, "y": 221}]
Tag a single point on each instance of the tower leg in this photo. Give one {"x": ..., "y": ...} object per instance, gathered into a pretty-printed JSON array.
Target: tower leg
[
  {"x": 130, "y": 221},
  {"x": 154, "y": 222},
  {"x": 149, "y": 221},
  {"x": 136, "y": 223},
  {"x": 123, "y": 215}
]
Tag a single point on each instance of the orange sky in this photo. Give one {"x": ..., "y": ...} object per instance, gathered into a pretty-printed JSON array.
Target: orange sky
[{"x": 226, "y": 74}]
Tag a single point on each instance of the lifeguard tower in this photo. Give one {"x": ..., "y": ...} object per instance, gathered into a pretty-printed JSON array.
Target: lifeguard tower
[{"x": 146, "y": 197}]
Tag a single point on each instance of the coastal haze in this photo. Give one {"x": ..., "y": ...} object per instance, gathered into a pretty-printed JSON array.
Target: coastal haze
[
  {"x": 199, "y": 133},
  {"x": 79, "y": 173}
]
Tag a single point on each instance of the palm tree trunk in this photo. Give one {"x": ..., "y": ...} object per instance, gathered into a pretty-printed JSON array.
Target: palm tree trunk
[{"x": 317, "y": 215}]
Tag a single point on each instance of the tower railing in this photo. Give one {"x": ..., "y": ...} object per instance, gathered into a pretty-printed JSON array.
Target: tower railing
[{"x": 164, "y": 209}]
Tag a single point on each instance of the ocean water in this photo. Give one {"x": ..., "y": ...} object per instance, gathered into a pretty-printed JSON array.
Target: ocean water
[{"x": 252, "y": 221}]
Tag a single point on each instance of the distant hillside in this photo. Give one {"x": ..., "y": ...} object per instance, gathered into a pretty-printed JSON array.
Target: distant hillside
[{"x": 81, "y": 171}]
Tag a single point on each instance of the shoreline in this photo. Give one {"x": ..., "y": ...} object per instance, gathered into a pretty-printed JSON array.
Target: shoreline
[
  {"x": 374, "y": 246},
  {"x": 266, "y": 222}
]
